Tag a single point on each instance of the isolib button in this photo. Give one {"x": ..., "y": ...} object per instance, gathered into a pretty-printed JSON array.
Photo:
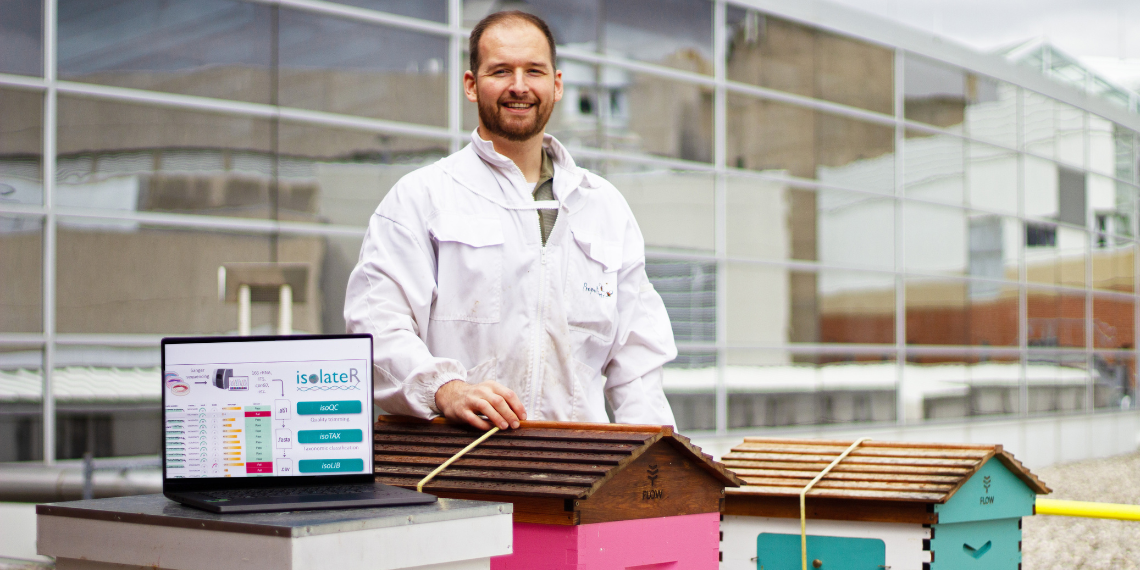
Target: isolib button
[
  {"x": 330, "y": 465},
  {"x": 334, "y": 407}
]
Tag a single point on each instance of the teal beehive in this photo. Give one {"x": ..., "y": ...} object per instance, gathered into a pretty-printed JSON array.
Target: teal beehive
[
  {"x": 979, "y": 526},
  {"x": 897, "y": 505}
]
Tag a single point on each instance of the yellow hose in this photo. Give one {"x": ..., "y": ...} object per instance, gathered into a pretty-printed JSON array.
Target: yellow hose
[{"x": 1088, "y": 509}]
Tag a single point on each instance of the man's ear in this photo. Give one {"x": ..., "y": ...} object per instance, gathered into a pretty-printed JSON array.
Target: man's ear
[
  {"x": 557, "y": 85},
  {"x": 469, "y": 87}
]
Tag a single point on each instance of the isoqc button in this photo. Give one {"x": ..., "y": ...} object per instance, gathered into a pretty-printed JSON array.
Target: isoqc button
[
  {"x": 330, "y": 465},
  {"x": 330, "y": 436},
  {"x": 334, "y": 407}
]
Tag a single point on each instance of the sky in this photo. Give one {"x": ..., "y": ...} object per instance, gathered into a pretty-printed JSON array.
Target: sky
[{"x": 1101, "y": 33}]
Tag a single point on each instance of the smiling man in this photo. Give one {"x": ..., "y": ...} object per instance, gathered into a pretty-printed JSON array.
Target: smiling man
[{"x": 504, "y": 282}]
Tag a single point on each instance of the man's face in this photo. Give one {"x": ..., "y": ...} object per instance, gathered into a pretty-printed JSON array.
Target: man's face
[{"x": 516, "y": 84}]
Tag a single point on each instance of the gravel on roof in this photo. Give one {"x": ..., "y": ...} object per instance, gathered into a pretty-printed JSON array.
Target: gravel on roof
[{"x": 1071, "y": 543}]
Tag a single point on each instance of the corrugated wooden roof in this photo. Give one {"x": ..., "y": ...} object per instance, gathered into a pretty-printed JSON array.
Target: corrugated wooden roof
[
  {"x": 918, "y": 472},
  {"x": 559, "y": 460}
]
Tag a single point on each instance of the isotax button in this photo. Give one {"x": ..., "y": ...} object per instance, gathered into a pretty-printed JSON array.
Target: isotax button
[
  {"x": 336, "y": 407},
  {"x": 330, "y": 465},
  {"x": 330, "y": 436}
]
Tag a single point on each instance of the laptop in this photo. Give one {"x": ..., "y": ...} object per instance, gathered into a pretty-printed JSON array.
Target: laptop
[{"x": 271, "y": 423}]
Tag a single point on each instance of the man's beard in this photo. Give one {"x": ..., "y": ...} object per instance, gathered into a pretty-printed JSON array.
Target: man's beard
[{"x": 514, "y": 129}]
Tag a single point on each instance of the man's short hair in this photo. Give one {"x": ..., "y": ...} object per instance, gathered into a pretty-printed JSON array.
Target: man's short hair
[{"x": 500, "y": 17}]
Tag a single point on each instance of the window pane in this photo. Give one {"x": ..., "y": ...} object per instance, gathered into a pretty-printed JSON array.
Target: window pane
[
  {"x": 1040, "y": 124},
  {"x": 1114, "y": 319},
  {"x": 21, "y": 371},
  {"x": 961, "y": 312},
  {"x": 688, "y": 289},
  {"x": 769, "y": 220},
  {"x": 962, "y": 385},
  {"x": 773, "y": 388},
  {"x": 1102, "y": 146},
  {"x": 856, "y": 229},
  {"x": 1115, "y": 380},
  {"x": 657, "y": 116},
  {"x": 764, "y": 135},
  {"x": 991, "y": 178},
  {"x": 573, "y": 22},
  {"x": 771, "y": 52},
  {"x": 21, "y": 37},
  {"x": 935, "y": 167},
  {"x": 768, "y": 304},
  {"x": 1058, "y": 382},
  {"x": 1113, "y": 267},
  {"x": 955, "y": 241},
  {"x": 212, "y": 48},
  {"x": 21, "y": 264},
  {"x": 960, "y": 101},
  {"x": 1056, "y": 317},
  {"x": 1111, "y": 206},
  {"x": 117, "y": 156},
  {"x": 991, "y": 110},
  {"x": 674, "y": 208},
  {"x": 435, "y": 10},
  {"x": 594, "y": 110},
  {"x": 1055, "y": 254},
  {"x": 673, "y": 33},
  {"x": 339, "y": 176},
  {"x": 119, "y": 279},
  {"x": 341, "y": 254},
  {"x": 21, "y": 147},
  {"x": 337, "y": 65},
  {"x": 1071, "y": 137},
  {"x": 935, "y": 93},
  {"x": 1126, "y": 146}
]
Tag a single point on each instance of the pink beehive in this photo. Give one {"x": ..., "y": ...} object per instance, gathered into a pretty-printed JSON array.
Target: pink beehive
[{"x": 586, "y": 496}]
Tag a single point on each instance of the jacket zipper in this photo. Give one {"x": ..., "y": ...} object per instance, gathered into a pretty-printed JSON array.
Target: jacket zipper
[{"x": 539, "y": 325}]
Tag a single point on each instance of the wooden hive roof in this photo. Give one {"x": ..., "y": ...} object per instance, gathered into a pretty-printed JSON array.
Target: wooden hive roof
[
  {"x": 548, "y": 466},
  {"x": 876, "y": 470}
]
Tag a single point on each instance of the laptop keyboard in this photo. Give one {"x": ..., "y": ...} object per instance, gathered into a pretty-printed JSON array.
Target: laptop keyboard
[{"x": 289, "y": 492}]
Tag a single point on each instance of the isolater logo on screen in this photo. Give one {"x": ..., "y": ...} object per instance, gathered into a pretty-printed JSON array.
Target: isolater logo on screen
[{"x": 321, "y": 376}]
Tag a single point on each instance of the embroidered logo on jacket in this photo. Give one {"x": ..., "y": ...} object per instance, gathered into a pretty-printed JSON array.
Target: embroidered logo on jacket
[{"x": 602, "y": 290}]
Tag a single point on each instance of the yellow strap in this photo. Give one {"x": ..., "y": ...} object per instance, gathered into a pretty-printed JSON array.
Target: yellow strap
[
  {"x": 482, "y": 438},
  {"x": 803, "y": 497},
  {"x": 1087, "y": 509}
]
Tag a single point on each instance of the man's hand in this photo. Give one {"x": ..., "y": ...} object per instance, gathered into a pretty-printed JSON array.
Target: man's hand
[{"x": 460, "y": 401}]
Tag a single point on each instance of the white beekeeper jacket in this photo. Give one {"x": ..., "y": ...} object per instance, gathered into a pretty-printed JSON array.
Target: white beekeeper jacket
[{"x": 454, "y": 283}]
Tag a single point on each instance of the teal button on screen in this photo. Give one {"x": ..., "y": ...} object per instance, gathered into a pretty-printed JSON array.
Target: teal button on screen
[
  {"x": 330, "y": 436},
  {"x": 330, "y": 465},
  {"x": 335, "y": 407}
]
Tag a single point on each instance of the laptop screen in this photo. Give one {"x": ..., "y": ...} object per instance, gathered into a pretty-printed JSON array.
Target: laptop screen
[{"x": 267, "y": 406}]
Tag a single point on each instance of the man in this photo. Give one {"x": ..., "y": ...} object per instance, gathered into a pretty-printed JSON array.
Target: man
[{"x": 504, "y": 281}]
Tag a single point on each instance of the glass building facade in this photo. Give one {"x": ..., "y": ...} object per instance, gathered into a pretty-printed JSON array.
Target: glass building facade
[{"x": 848, "y": 221}]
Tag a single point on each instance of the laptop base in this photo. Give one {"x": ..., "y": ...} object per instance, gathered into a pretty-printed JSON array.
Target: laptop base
[{"x": 380, "y": 495}]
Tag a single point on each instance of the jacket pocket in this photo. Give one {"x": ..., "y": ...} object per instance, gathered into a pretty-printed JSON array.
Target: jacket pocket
[
  {"x": 591, "y": 285},
  {"x": 469, "y": 268}
]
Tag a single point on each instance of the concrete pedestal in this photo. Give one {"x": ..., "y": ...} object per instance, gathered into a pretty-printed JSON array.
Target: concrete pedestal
[{"x": 153, "y": 532}]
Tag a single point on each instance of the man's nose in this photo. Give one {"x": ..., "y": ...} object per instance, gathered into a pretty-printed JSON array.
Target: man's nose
[{"x": 518, "y": 83}]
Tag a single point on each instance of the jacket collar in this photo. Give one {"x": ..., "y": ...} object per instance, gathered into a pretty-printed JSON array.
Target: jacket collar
[{"x": 483, "y": 170}]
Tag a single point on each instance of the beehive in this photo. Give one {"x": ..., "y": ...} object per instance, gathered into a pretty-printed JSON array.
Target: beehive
[
  {"x": 888, "y": 504},
  {"x": 585, "y": 495}
]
